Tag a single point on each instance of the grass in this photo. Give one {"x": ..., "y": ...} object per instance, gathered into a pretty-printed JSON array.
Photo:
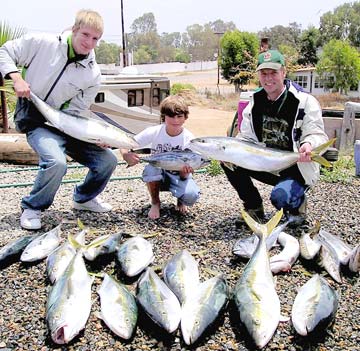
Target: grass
[
  {"x": 342, "y": 171},
  {"x": 214, "y": 169}
]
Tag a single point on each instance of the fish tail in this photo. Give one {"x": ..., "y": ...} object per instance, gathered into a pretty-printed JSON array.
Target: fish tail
[
  {"x": 315, "y": 154},
  {"x": 273, "y": 222},
  {"x": 262, "y": 230}
]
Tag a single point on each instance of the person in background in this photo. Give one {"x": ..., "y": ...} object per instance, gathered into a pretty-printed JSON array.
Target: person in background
[
  {"x": 283, "y": 117},
  {"x": 62, "y": 71},
  {"x": 168, "y": 136}
]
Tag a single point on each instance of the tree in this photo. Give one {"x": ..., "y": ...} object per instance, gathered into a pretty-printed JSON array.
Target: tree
[
  {"x": 343, "y": 62},
  {"x": 238, "y": 57},
  {"x": 342, "y": 24},
  {"x": 9, "y": 33},
  {"x": 144, "y": 34},
  {"x": 278, "y": 35},
  {"x": 309, "y": 42},
  {"x": 107, "y": 53}
]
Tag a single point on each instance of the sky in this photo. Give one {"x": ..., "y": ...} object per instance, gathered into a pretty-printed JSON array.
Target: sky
[{"x": 170, "y": 15}]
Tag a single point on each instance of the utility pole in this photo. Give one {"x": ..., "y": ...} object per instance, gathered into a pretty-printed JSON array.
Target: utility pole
[
  {"x": 123, "y": 34},
  {"x": 219, "y": 34}
]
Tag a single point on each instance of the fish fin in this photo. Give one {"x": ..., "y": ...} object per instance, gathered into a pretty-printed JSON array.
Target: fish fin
[
  {"x": 80, "y": 224},
  {"x": 273, "y": 222},
  {"x": 316, "y": 153},
  {"x": 229, "y": 165},
  {"x": 97, "y": 242},
  {"x": 255, "y": 226},
  {"x": 73, "y": 242}
]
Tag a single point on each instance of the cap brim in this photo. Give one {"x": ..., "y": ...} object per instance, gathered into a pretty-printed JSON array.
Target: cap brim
[{"x": 269, "y": 65}]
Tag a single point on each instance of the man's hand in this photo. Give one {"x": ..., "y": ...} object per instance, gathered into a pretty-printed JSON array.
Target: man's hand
[
  {"x": 305, "y": 152},
  {"x": 22, "y": 88}
]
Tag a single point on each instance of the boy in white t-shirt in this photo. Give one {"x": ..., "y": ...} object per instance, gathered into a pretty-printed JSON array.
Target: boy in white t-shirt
[{"x": 168, "y": 136}]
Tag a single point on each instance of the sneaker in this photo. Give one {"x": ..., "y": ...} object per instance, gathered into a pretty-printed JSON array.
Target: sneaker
[
  {"x": 94, "y": 205},
  {"x": 30, "y": 219}
]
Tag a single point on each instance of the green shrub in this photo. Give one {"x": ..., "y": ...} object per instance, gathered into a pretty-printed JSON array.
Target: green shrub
[
  {"x": 178, "y": 88},
  {"x": 342, "y": 171},
  {"x": 214, "y": 168}
]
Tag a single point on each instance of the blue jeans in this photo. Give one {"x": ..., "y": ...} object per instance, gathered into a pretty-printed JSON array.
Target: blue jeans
[
  {"x": 52, "y": 146},
  {"x": 288, "y": 192},
  {"x": 185, "y": 190}
]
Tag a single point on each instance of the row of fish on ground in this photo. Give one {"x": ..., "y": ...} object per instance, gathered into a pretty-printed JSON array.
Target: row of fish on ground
[
  {"x": 179, "y": 299},
  {"x": 327, "y": 249}
]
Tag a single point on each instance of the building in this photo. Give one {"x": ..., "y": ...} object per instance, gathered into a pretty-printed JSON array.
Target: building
[{"x": 312, "y": 83}]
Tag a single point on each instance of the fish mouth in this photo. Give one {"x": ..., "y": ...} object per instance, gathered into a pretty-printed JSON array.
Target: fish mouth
[{"x": 59, "y": 335}]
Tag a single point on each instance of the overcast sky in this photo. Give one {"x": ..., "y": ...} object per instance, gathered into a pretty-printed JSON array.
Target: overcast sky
[{"x": 170, "y": 15}]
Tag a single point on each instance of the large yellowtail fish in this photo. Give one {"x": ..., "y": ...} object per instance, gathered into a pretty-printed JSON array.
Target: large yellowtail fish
[
  {"x": 90, "y": 130},
  {"x": 314, "y": 306},
  {"x": 69, "y": 302},
  {"x": 254, "y": 293},
  {"x": 252, "y": 155}
]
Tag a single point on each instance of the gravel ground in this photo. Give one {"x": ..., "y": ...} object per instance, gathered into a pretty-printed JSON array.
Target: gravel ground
[{"x": 209, "y": 232}]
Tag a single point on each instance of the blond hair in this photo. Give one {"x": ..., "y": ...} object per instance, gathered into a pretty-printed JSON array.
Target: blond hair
[
  {"x": 89, "y": 18},
  {"x": 173, "y": 105}
]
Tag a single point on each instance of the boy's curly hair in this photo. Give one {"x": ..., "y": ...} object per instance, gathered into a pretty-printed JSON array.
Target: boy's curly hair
[{"x": 173, "y": 105}]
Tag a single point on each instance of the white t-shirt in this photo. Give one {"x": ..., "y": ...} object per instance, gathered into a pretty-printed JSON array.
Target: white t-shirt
[{"x": 157, "y": 138}]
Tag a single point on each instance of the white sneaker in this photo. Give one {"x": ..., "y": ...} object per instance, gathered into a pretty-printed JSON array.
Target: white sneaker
[
  {"x": 94, "y": 205},
  {"x": 30, "y": 219}
]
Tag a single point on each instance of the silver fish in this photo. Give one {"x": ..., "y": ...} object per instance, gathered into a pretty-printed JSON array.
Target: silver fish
[
  {"x": 354, "y": 261},
  {"x": 59, "y": 259},
  {"x": 254, "y": 293},
  {"x": 69, "y": 302},
  {"x": 309, "y": 247},
  {"x": 158, "y": 301},
  {"x": 42, "y": 246},
  {"x": 176, "y": 160},
  {"x": 181, "y": 275},
  {"x": 283, "y": 261},
  {"x": 90, "y": 130},
  {"x": 110, "y": 245},
  {"x": 134, "y": 255},
  {"x": 245, "y": 247},
  {"x": 330, "y": 260},
  {"x": 341, "y": 248},
  {"x": 15, "y": 247},
  {"x": 251, "y": 155},
  {"x": 201, "y": 309},
  {"x": 314, "y": 306},
  {"x": 118, "y": 307}
]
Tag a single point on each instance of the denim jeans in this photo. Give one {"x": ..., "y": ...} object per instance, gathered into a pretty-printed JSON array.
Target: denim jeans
[
  {"x": 288, "y": 193},
  {"x": 52, "y": 146},
  {"x": 185, "y": 190}
]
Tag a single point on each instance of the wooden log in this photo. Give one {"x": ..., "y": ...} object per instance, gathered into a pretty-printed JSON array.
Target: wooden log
[
  {"x": 15, "y": 149},
  {"x": 347, "y": 136}
]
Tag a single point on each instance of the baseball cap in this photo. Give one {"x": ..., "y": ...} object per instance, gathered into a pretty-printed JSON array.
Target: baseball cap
[{"x": 272, "y": 59}]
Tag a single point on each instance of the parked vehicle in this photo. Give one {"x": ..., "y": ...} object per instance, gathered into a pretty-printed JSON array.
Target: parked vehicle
[{"x": 131, "y": 101}]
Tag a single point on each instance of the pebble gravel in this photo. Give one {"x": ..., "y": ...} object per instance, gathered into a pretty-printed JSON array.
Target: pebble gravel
[{"x": 209, "y": 232}]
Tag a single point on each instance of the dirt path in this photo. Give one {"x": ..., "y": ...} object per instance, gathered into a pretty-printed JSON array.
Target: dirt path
[
  {"x": 205, "y": 121},
  {"x": 208, "y": 122}
]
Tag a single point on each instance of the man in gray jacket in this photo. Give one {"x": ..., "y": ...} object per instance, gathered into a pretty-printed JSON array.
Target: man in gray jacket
[
  {"x": 281, "y": 116},
  {"x": 62, "y": 71}
]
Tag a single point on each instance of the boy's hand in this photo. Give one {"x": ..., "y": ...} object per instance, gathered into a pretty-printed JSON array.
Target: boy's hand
[
  {"x": 131, "y": 158},
  {"x": 185, "y": 171}
]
